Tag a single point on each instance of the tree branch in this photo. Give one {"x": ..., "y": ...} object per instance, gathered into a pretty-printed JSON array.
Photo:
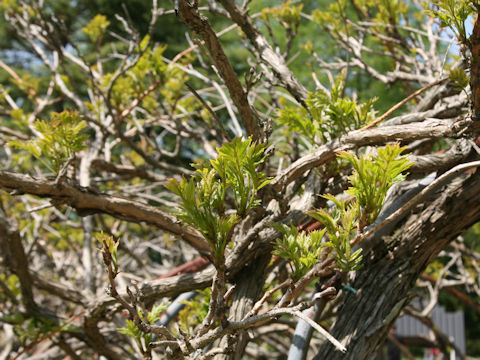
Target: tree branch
[
  {"x": 267, "y": 54},
  {"x": 14, "y": 253},
  {"x": 429, "y": 129},
  {"x": 198, "y": 23},
  {"x": 87, "y": 201}
]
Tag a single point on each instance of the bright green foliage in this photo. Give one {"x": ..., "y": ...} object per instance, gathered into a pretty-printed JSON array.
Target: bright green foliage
[
  {"x": 332, "y": 16},
  {"x": 370, "y": 181},
  {"x": 337, "y": 114},
  {"x": 382, "y": 12},
  {"x": 150, "y": 71},
  {"x": 12, "y": 283},
  {"x": 194, "y": 311},
  {"x": 297, "y": 119},
  {"x": 341, "y": 225},
  {"x": 237, "y": 166},
  {"x": 458, "y": 79},
  {"x": 96, "y": 28},
  {"x": 58, "y": 139},
  {"x": 331, "y": 115},
  {"x": 287, "y": 14},
  {"x": 389, "y": 11},
  {"x": 154, "y": 315},
  {"x": 203, "y": 196},
  {"x": 131, "y": 330},
  {"x": 143, "y": 339},
  {"x": 454, "y": 13},
  {"x": 300, "y": 249},
  {"x": 373, "y": 176},
  {"x": 202, "y": 200}
]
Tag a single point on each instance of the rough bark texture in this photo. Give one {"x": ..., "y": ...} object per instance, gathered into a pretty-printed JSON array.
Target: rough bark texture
[
  {"x": 395, "y": 263},
  {"x": 14, "y": 256},
  {"x": 474, "y": 43},
  {"x": 432, "y": 129},
  {"x": 249, "y": 286}
]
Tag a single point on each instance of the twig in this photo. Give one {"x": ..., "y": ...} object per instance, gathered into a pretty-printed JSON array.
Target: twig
[
  {"x": 403, "y": 102},
  {"x": 265, "y": 51},
  {"x": 402, "y": 347},
  {"x": 303, "y": 330},
  {"x": 266, "y": 296},
  {"x": 321, "y": 330},
  {"x": 257, "y": 320},
  {"x": 140, "y": 97},
  {"x": 210, "y": 110}
]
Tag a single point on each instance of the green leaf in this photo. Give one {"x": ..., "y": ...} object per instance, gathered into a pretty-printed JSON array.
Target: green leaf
[
  {"x": 330, "y": 114},
  {"x": 202, "y": 198},
  {"x": 130, "y": 330},
  {"x": 96, "y": 28},
  {"x": 300, "y": 249},
  {"x": 155, "y": 314},
  {"x": 374, "y": 175},
  {"x": 453, "y": 14},
  {"x": 370, "y": 181},
  {"x": 58, "y": 139}
]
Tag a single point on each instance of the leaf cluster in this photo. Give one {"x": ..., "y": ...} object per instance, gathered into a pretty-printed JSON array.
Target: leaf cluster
[
  {"x": 143, "y": 339},
  {"x": 110, "y": 248},
  {"x": 150, "y": 68},
  {"x": 195, "y": 310},
  {"x": 300, "y": 249},
  {"x": 57, "y": 140},
  {"x": 389, "y": 11},
  {"x": 370, "y": 181},
  {"x": 333, "y": 15},
  {"x": 237, "y": 166},
  {"x": 96, "y": 28},
  {"x": 337, "y": 114},
  {"x": 341, "y": 225},
  {"x": 202, "y": 197},
  {"x": 453, "y": 14},
  {"x": 458, "y": 79},
  {"x": 287, "y": 14},
  {"x": 329, "y": 114},
  {"x": 373, "y": 176},
  {"x": 380, "y": 11}
]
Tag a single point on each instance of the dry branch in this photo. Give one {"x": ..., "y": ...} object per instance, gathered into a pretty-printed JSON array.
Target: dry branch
[
  {"x": 429, "y": 129},
  {"x": 199, "y": 24},
  {"x": 271, "y": 59},
  {"x": 88, "y": 201}
]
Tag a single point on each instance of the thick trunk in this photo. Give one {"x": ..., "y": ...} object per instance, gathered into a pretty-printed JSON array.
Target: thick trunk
[
  {"x": 248, "y": 287},
  {"x": 393, "y": 266}
]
